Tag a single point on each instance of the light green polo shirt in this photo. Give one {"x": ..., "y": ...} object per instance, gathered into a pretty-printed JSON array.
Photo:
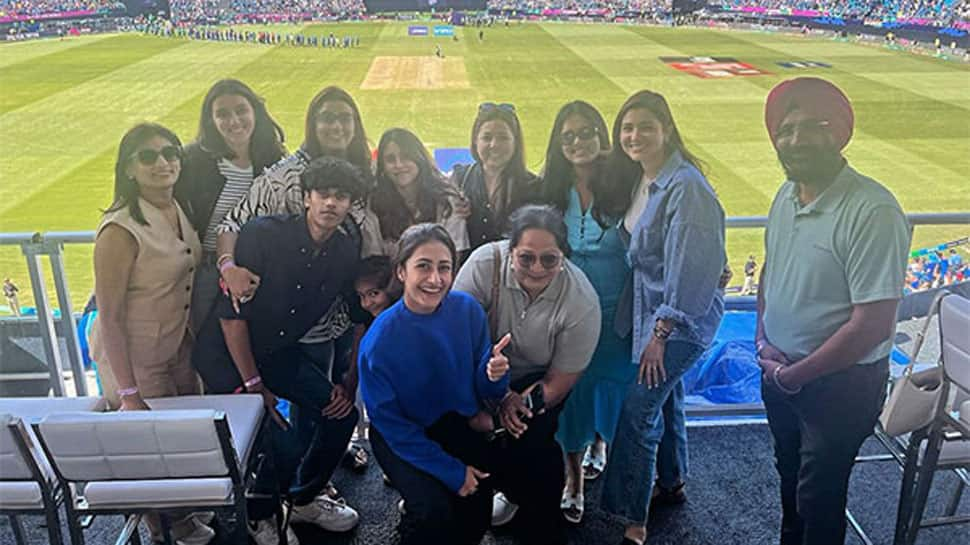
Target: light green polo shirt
[
  {"x": 558, "y": 330},
  {"x": 849, "y": 246}
]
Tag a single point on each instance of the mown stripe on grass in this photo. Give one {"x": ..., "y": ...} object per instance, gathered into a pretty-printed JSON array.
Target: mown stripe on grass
[
  {"x": 89, "y": 118},
  {"x": 16, "y": 52},
  {"x": 34, "y": 79},
  {"x": 884, "y": 113},
  {"x": 630, "y": 60}
]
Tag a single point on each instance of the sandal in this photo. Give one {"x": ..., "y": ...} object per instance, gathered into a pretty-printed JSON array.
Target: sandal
[
  {"x": 572, "y": 507},
  {"x": 593, "y": 465}
]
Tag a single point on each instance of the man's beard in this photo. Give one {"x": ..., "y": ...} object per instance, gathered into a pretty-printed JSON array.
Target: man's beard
[{"x": 810, "y": 165}]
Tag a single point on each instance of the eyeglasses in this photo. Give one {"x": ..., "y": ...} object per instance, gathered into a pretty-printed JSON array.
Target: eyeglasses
[
  {"x": 813, "y": 127},
  {"x": 488, "y": 106},
  {"x": 586, "y": 133},
  {"x": 548, "y": 261},
  {"x": 149, "y": 157},
  {"x": 329, "y": 118}
]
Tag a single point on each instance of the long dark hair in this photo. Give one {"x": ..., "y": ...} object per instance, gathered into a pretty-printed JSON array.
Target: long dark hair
[
  {"x": 558, "y": 175},
  {"x": 265, "y": 145},
  {"x": 624, "y": 173},
  {"x": 358, "y": 151},
  {"x": 433, "y": 191},
  {"x": 516, "y": 169},
  {"x": 126, "y": 188}
]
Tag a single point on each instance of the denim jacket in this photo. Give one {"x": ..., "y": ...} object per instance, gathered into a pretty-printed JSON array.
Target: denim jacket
[{"x": 677, "y": 255}]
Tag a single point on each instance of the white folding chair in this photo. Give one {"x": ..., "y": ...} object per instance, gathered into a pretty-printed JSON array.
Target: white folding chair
[
  {"x": 189, "y": 453},
  {"x": 947, "y": 438},
  {"x": 28, "y": 486}
]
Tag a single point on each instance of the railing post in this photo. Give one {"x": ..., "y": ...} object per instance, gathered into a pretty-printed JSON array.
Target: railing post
[
  {"x": 67, "y": 318},
  {"x": 48, "y": 335}
]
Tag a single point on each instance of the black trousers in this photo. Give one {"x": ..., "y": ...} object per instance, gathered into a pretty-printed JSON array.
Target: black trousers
[
  {"x": 531, "y": 472},
  {"x": 817, "y": 435},
  {"x": 301, "y": 376},
  {"x": 434, "y": 513}
]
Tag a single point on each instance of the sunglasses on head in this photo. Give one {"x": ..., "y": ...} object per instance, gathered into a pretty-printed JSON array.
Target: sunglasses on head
[
  {"x": 343, "y": 118},
  {"x": 548, "y": 261},
  {"x": 149, "y": 157},
  {"x": 586, "y": 133},
  {"x": 488, "y": 106}
]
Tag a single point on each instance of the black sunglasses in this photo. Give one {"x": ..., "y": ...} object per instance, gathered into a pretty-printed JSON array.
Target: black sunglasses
[
  {"x": 149, "y": 157},
  {"x": 488, "y": 106},
  {"x": 586, "y": 133},
  {"x": 548, "y": 261}
]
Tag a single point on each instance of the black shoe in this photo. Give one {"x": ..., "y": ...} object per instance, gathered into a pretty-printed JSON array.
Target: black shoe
[
  {"x": 628, "y": 541},
  {"x": 666, "y": 497}
]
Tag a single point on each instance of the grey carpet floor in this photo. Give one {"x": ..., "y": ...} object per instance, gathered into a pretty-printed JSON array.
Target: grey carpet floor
[{"x": 733, "y": 500}]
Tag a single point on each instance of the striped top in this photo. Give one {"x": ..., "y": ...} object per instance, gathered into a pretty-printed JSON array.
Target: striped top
[{"x": 238, "y": 182}]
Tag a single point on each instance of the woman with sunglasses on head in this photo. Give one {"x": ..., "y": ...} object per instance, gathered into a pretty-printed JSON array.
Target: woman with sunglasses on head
[
  {"x": 145, "y": 255},
  {"x": 427, "y": 369},
  {"x": 551, "y": 312},
  {"x": 237, "y": 141},
  {"x": 498, "y": 182},
  {"x": 677, "y": 254},
  {"x": 575, "y": 162},
  {"x": 410, "y": 190}
]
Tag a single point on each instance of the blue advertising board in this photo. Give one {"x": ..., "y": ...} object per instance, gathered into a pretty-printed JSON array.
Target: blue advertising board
[{"x": 444, "y": 30}]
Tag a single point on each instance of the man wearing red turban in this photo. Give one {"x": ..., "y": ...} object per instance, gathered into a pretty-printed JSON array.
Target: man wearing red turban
[{"x": 835, "y": 258}]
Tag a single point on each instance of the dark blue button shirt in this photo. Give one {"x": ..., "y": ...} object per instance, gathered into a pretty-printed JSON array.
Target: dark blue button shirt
[{"x": 299, "y": 280}]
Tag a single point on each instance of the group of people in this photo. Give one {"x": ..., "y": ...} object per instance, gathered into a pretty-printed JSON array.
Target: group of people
[
  {"x": 215, "y": 34},
  {"x": 941, "y": 12},
  {"x": 512, "y": 334},
  {"x": 935, "y": 269},
  {"x": 256, "y": 11}
]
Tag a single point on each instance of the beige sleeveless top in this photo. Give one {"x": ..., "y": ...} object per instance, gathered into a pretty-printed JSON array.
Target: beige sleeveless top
[{"x": 160, "y": 285}]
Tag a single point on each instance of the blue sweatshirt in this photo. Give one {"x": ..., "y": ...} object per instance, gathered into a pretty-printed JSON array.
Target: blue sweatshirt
[{"x": 415, "y": 368}]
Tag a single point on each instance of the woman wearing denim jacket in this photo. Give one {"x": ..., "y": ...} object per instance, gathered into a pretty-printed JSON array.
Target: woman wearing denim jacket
[{"x": 676, "y": 227}]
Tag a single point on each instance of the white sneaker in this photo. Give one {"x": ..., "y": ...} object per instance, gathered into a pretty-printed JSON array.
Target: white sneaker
[
  {"x": 503, "y": 510},
  {"x": 335, "y": 516},
  {"x": 263, "y": 532}
]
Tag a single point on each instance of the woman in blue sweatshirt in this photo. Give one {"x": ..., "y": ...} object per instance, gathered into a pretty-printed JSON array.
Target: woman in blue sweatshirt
[{"x": 427, "y": 366}]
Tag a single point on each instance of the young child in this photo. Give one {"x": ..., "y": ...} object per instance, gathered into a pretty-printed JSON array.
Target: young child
[{"x": 376, "y": 286}]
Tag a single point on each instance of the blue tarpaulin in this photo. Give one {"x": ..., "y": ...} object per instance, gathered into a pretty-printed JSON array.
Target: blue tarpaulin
[{"x": 728, "y": 372}]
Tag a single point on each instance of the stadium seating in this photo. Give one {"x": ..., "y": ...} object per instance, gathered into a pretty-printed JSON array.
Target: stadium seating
[
  {"x": 28, "y": 485},
  {"x": 188, "y": 452}
]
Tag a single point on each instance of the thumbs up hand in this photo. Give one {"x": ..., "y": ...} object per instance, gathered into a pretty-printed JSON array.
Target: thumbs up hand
[{"x": 498, "y": 364}]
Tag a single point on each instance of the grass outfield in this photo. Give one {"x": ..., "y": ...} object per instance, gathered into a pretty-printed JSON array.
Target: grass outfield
[{"x": 65, "y": 104}]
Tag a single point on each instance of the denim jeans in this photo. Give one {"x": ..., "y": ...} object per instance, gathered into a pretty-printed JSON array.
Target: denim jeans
[
  {"x": 672, "y": 459},
  {"x": 640, "y": 433}
]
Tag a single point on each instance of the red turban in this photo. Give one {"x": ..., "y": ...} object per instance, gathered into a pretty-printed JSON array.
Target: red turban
[{"x": 816, "y": 97}]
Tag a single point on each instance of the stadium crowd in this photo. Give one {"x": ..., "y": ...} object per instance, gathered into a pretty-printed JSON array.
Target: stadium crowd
[
  {"x": 512, "y": 334},
  {"x": 213, "y": 10},
  {"x": 38, "y": 7},
  {"x": 940, "y": 12},
  {"x": 936, "y": 12},
  {"x": 936, "y": 269}
]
